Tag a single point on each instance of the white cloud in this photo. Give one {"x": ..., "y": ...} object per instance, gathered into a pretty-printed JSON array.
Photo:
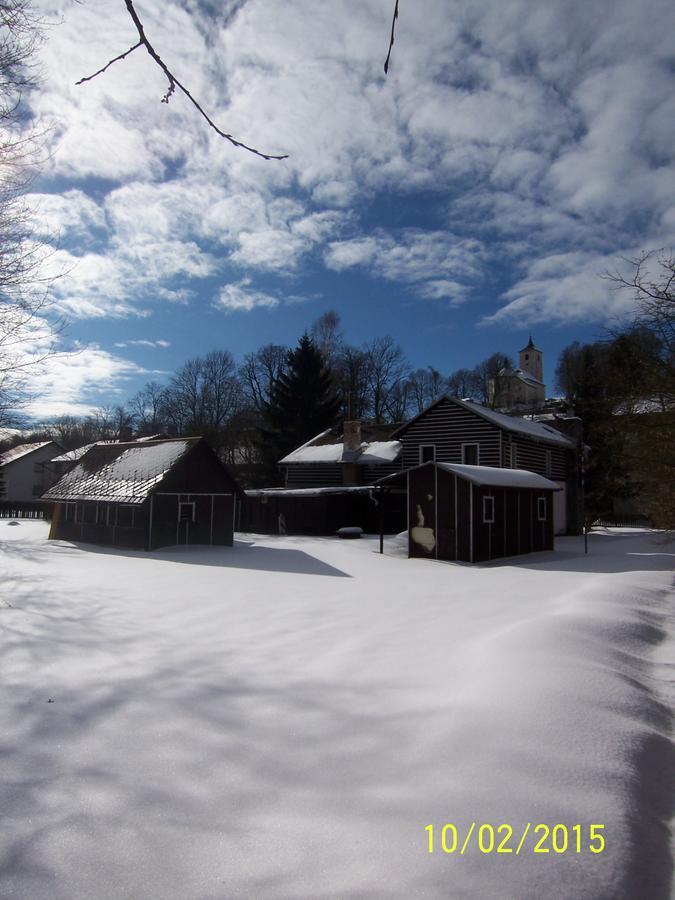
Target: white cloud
[
  {"x": 240, "y": 297},
  {"x": 78, "y": 382},
  {"x": 547, "y": 129},
  {"x": 564, "y": 288},
  {"x": 144, "y": 343},
  {"x": 432, "y": 260}
]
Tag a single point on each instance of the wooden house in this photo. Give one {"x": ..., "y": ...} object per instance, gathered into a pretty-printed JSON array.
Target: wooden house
[
  {"x": 354, "y": 454},
  {"x": 475, "y": 513},
  {"x": 462, "y": 432},
  {"x": 146, "y": 495}
]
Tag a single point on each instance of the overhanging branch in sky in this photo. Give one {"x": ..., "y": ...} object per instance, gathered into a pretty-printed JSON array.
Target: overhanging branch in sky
[{"x": 173, "y": 83}]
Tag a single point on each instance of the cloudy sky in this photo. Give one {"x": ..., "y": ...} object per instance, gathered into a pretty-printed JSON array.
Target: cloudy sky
[{"x": 515, "y": 151}]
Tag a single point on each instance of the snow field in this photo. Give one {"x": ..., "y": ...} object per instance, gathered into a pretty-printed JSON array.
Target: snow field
[{"x": 282, "y": 719}]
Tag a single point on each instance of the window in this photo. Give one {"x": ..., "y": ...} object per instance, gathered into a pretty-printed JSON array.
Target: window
[
  {"x": 548, "y": 462},
  {"x": 514, "y": 457},
  {"x": 427, "y": 453},
  {"x": 541, "y": 509},
  {"x": 69, "y": 512},
  {"x": 488, "y": 509},
  {"x": 101, "y": 514},
  {"x": 471, "y": 454},
  {"x": 186, "y": 511}
]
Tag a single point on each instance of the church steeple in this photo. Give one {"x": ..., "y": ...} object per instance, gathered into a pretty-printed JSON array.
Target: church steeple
[{"x": 531, "y": 360}]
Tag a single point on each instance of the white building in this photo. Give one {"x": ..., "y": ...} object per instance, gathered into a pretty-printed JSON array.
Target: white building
[
  {"x": 521, "y": 387},
  {"x": 23, "y": 474}
]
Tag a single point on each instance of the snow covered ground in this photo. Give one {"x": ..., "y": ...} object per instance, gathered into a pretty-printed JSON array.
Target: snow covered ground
[{"x": 283, "y": 719}]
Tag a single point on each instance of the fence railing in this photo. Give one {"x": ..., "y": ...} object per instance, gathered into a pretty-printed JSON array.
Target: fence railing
[
  {"x": 24, "y": 509},
  {"x": 623, "y": 521}
]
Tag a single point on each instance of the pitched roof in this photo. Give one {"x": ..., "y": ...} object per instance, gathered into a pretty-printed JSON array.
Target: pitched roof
[
  {"x": 536, "y": 430},
  {"x": 328, "y": 447},
  {"x": 74, "y": 455},
  {"x": 120, "y": 473},
  {"x": 22, "y": 450},
  {"x": 487, "y": 476},
  {"x": 520, "y": 374}
]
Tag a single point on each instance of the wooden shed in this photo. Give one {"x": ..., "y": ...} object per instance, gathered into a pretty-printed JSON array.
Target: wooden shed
[
  {"x": 146, "y": 495},
  {"x": 475, "y": 513}
]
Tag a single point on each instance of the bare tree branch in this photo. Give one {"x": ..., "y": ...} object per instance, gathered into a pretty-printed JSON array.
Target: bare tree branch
[
  {"x": 391, "y": 39},
  {"x": 175, "y": 83},
  {"x": 109, "y": 63}
]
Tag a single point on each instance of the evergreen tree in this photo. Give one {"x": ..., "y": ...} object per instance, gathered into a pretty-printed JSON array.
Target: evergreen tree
[{"x": 303, "y": 403}]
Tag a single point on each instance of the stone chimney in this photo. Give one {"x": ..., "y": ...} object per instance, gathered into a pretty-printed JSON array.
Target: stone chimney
[{"x": 351, "y": 436}]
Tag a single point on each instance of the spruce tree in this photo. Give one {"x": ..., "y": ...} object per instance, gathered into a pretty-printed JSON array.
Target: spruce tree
[{"x": 303, "y": 403}]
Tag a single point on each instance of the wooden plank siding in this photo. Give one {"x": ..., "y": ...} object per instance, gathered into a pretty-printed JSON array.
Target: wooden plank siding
[
  {"x": 308, "y": 475},
  {"x": 533, "y": 457},
  {"x": 447, "y": 427}
]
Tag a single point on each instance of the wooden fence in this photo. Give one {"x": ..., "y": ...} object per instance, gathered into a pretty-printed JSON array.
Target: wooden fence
[{"x": 26, "y": 509}]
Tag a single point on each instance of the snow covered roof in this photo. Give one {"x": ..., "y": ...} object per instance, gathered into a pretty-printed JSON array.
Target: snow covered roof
[
  {"x": 495, "y": 477},
  {"x": 120, "y": 473},
  {"x": 74, "y": 455},
  {"x": 535, "y": 430},
  {"x": 522, "y": 426},
  {"x": 309, "y": 492},
  {"x": 327, "y": 448},
  {"x": 22, "y": 450},
  {"x": 488, "y": 476}
]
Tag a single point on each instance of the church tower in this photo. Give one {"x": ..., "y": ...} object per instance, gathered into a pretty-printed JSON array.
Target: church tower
[{"x": 531, "y": 360}]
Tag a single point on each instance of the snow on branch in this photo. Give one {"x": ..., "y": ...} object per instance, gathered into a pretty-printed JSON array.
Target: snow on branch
[{"x": 174, "y": 83}]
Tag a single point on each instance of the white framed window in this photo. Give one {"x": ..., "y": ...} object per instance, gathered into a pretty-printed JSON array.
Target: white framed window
[
  {"x": 471, "y": 454},
  {"x": 541, "y": 509},
  {"x": 427, "y": 453},
  {"x": 488, "y": 509}
]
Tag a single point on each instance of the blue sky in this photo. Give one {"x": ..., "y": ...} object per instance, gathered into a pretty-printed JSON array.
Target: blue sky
[{"x": 473, "y": 196}]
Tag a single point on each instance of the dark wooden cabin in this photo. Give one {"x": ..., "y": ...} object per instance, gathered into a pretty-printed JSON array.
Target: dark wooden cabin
[
  {"x": 475, "y": 513},
  {"x": 146, "y": 495}
]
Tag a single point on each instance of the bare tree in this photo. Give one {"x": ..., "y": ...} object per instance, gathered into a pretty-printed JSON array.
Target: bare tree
[
  {"x": 387, "y": 366},
  {"x": 425, "y": 386},
  {"x": 147, "y": 409},
  {"x": 653, "y": 285},
  {"x": 27, "y": 336},
  {"x": 351, "y": 375},
  {"x": 327, "y": 337},
  {"x": 203, "y": 394},
  {"x": 260, "y": 373}
]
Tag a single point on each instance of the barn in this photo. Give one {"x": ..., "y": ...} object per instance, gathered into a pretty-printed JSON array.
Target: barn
[
  {"x": 475, "y": 513},
  {"x": 146, "y": 495}
]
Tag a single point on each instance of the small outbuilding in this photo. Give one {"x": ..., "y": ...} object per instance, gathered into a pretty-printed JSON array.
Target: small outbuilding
[
  {"x": 475, "y": 513},
  {"x": 146, "y": 495}
]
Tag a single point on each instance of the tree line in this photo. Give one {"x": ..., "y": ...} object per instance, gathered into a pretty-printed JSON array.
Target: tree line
[{"x": 254, "y": 412}]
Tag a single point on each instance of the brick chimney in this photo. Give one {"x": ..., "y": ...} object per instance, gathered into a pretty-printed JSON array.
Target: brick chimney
[
  {"x": 351, "y": 435},
  {"x": 351, "y": 444}
]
